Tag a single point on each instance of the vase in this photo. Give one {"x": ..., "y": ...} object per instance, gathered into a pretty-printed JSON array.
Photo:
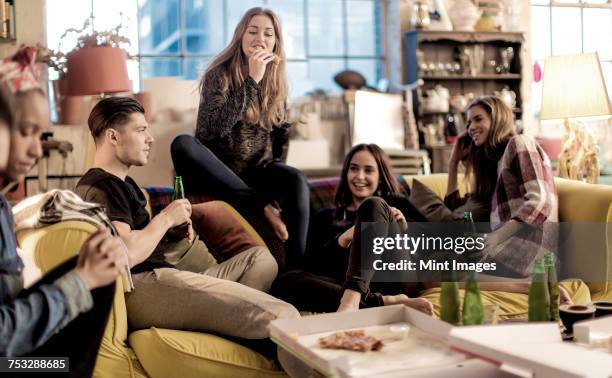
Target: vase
[
  {"x": 464, "y": 15},
  {"x": 443, "y": 23},
  {"x": 420, "y": 15}
]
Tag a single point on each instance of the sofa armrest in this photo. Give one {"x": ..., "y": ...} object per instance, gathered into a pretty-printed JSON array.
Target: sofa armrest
[{"x": 42, "y": 249}]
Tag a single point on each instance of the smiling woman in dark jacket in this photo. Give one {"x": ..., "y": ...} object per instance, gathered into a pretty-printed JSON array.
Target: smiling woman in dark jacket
[{"x": 241, "y": 133}]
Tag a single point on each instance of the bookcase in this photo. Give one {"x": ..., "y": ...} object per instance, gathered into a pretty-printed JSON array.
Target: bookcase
[{"x": 439, "y": 59}]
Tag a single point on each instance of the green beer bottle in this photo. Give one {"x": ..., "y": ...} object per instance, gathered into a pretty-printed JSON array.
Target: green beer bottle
[
  {"x": 449, "y": 300},
  {"x": 470, "y": 225},
  {"x": 179, "y": 192},
  {"x": 473, "y": 311},
  {"x": 539, "y": 299},
  {"x": 553, "y": 286}
]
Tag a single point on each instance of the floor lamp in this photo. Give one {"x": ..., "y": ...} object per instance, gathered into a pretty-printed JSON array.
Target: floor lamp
[{"x": 574, "y": 91}]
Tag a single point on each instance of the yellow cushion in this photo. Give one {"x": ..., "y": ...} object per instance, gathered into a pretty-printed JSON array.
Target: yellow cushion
[
  {"x": 172, "y": 353},
  {"x": 512, "y": 305}
]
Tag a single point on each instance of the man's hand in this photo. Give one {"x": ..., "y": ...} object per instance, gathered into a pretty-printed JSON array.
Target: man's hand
[
  {"x": 178, "y": 213},
  {"x": 101, "y": 259}
]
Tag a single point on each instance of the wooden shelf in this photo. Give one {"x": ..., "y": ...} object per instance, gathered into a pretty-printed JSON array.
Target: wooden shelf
[
  {"x": 8, "y": 40},
  {"x": 469, "y": 37},
  {"x": 477, "y": 77}
]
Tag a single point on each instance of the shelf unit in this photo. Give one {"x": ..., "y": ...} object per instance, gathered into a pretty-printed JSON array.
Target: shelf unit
[{"x": 422, "y": 46}]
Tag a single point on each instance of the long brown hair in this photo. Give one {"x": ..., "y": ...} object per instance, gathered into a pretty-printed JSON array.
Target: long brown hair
[
  {"x": 481, "y": 161},
  {"x": 388, "y": 183},
  {"x": 270, "y": 110}
]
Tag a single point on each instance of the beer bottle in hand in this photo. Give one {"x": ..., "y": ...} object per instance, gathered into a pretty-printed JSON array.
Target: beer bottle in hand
[
  {"x": 179, "y": 193},
  {"x": 449, "y": 299},
  {"x": 553, "y": 286},
  {"x": 473, "y": 312},
  {"x": 539, "y": 298}
]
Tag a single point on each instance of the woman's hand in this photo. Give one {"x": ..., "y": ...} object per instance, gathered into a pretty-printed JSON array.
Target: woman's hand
[
  {"x": 101, "y": 259},
  {"x": 346, "y": 238},
  {"x": 258, "y": 62},
  {"x": 399, "y": 217},
  {"x": 460, "y": 151},
  {"x": 279, "y": 227}
]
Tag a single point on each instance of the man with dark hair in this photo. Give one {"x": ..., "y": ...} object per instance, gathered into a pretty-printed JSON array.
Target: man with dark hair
[{"x": 178, "y": 283}]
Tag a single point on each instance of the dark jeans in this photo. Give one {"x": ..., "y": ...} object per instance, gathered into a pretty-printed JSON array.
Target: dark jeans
[
  {"x": 311, "y": 292},
  {"x": 204, "y": 173},
  {"x": 380, "y": 223},
  {"x": 80, "y": 339}
]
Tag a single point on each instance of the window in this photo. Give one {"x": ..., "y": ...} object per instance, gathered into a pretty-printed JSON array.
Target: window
[
  {"x": 179, "y": 37},
  {"x": 571, "y": 27}
]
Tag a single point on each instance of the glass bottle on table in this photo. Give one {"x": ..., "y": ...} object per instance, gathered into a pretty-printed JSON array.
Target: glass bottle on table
[
  {"x": 553, "y": 285},
  {"x": 539, "y": 298},
  {"x": 473, "y": 311},
  {"x": 449, "y": 299}
]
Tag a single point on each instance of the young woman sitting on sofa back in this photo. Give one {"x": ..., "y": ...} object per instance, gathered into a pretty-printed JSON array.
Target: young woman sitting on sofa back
[
  {"x": 367, "y": 192},
  {"x": 242, "y": 134},
  {"x": 64, "y": 314}
]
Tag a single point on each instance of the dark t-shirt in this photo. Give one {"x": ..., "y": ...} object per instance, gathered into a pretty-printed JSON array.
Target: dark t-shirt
[{"x": 124, "y": 202}]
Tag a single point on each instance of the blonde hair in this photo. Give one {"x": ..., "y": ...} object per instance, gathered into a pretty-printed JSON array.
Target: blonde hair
[
  {"x": 269, "y": 111},
  {"x": 481, "y": 162}
]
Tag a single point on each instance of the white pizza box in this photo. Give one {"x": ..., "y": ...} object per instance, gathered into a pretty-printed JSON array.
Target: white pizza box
[
  {"x": 531, "y": 350},
  {"x": 414, "y": 342},
  {"x": 595, "y": 332}
]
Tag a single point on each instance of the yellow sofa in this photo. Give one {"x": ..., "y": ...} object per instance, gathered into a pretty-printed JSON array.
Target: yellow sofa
[
  {"x": 153, "y": 352},
  {"x": 171, "y": 353},
  {"x": 578, "y": 202}
]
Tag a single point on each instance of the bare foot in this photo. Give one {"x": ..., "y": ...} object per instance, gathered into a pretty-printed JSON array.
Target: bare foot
[
  {"x": 349, "y": 301},
  {"x": 420, "y": 304},
  {"x": 279, "y": 227}
]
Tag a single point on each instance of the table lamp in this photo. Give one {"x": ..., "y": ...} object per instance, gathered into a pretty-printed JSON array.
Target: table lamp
[
  {"x": 97, "y": 71},
  {"x": 574, "y": 89}
]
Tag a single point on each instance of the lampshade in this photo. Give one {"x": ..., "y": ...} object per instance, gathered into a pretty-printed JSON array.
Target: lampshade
[
  {"x": 574, "y": 87},
  {"x": 97, "y": 70}
]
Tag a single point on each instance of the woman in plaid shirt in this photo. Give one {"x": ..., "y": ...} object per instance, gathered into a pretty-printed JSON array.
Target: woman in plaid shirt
[{"x": 512, "y": 173}]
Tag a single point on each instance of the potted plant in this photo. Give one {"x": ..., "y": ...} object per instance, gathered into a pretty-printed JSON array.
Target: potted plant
[{"x": 70, "y": 107}]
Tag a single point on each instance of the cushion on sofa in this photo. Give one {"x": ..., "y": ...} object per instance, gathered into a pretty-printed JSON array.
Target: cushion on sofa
[
  {"x": 172, "y": 353},
  {"x": 224, "y": 231}
]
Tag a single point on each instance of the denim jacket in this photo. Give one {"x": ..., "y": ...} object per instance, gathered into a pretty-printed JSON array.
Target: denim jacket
[{"x": 28, "y": 318}]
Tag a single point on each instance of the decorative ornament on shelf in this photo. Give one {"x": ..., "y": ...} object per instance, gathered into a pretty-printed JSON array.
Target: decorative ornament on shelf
[
  {"x": 420, "y": 15},
  {"x": 439, "y": 17},
  {"x": 486, "y": 23},
  {"x": 464, "y": 15}
]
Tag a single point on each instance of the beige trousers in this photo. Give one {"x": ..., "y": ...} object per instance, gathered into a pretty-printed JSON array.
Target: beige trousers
[{"x": 225, "y": 298}]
